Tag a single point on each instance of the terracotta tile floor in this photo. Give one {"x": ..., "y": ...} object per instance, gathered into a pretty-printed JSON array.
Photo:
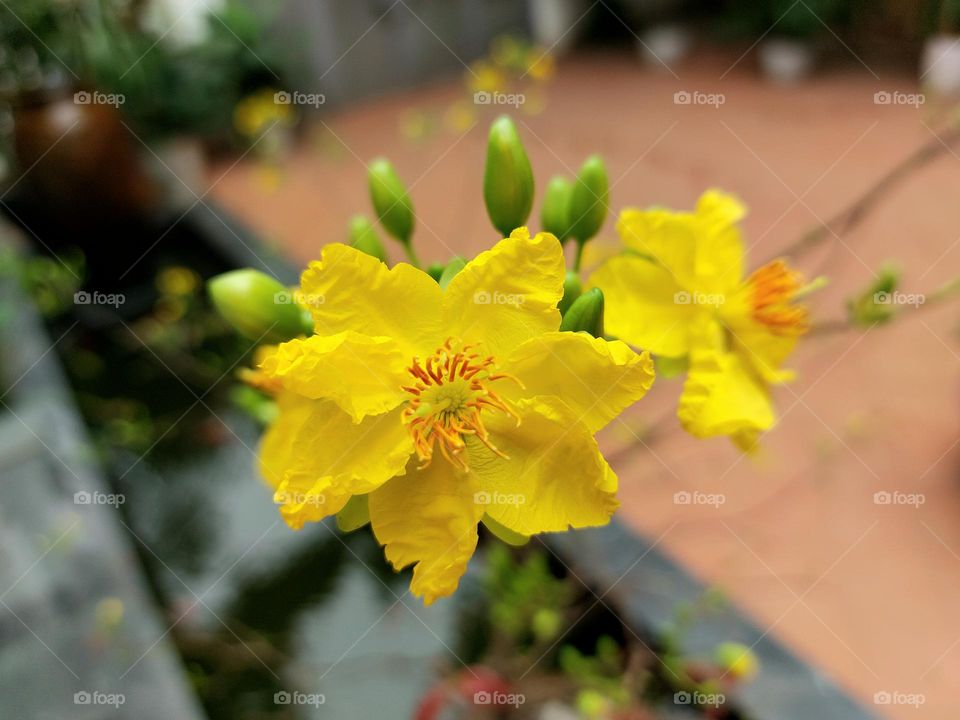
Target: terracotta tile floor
[{"x": 866, "y": 592}]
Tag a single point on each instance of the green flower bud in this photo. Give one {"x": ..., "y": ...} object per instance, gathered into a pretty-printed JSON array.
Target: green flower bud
[
  {"x": 390, "y": 200},
  {"x": 450, "y": 271},
  {"x": 355, "y": 514},
  {"x": 435, "y": 270},
  {"x": 589, "y": 200},
  {"x": 874, "y": 304},
  {"x": 555, "y": 214},
  {"x": 572, "y": 289},
  {"x": 258, "y": 306},
  {"x": 586, "y": 314},
  {"x": 507, "y": 178},
  {"x": 546, "y": 624},
  {"x": 737, "y": 660},
  {"x": 363, "y": 236}
]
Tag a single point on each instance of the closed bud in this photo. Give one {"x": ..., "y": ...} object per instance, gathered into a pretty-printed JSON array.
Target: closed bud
[
  {"x": 589, "y": 200},
  {"x": 363, "y": 236},
  {"x": 555, "y": 214},
  {"x": 435, "y": 270},
  {"x": 258, "y": 306},
  {"x": 572, "y": 289},
  {"x": 585, "y": 314},
  {"x": 507, "y": 178},
  {"x": 875, "y": 304},
  {"x": 391, "y": 202},
  {"x": 737, "y": 660}
]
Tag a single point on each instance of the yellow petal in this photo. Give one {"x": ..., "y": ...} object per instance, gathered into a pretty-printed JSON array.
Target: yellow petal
[
  {"x": 720, "y": 252},
  {"x": 667, "y": 238},
  {"x": 362, "y": 374},
  {"x": 645, "y": 306},
  {"x": 764, "y": 351},
  {"x": 428, "y": 518},
  {"x": 350, "y": 290},
  {"x": 595, "y": 378},
  {"x": 723, "y": 395},
  {"x": 316, "y": 457},
  {"x": 507, "y": 294},
  {"x": 553, "y": 477}
]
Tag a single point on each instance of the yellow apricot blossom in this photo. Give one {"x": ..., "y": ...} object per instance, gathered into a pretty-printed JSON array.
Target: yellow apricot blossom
[
  {"x": 679, "y": 291},
  {"x": 446, "y": 407}
]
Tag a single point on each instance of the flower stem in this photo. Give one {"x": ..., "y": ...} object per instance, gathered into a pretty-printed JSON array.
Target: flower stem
[{"x": 411, "y": 254}]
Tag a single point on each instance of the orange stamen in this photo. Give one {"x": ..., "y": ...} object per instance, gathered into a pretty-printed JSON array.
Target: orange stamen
[
  {"x": 447, "y": 399},
  {"x": 773, "y": 288}
]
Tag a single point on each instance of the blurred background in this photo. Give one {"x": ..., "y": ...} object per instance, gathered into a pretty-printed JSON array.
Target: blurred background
[{"x": 147, "y": 145}]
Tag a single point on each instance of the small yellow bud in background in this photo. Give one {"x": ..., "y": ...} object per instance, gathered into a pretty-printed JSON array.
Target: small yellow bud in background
[
  {"x": 257, "y": 306},
  {"x": 363, "y": 236},
  {"x": 738, "y": 660},
  {"x": 508, "y": 178},
  {"x": 585, "y": 314}
]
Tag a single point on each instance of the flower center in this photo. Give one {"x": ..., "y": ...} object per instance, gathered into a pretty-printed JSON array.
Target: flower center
[
  {"x": 772, "y": 288},
  {"x": 450, "y": 392}
]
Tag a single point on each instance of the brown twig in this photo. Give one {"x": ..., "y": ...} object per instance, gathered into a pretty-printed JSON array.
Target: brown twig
[{"x": 850, "y": 217}]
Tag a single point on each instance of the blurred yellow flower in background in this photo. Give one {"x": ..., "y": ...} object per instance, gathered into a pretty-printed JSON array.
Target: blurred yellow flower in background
[{"x": 678, "y": 290}]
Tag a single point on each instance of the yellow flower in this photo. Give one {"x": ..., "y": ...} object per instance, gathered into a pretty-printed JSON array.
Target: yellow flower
[
  {"x": 260, "y": 110},
  {"x": 679, "y": 291},
  {"x": 446, "y": 406}
]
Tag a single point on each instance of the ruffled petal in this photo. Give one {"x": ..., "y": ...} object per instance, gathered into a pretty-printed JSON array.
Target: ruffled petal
[
  {"x": 363, "y": 375},
  {"x": 507, "y": 294},
  {"x": 316, "y": 457},
  {"x": 720, "y": 252},
  {"x": 645, "y": 306},
  {"x": 428, "y": 518},
  {"x": 723, "y": 394},
  {"x": 596, "y": 378},
  {"x": 553, "y": 477},
  {"x": 350, "y": 290}
]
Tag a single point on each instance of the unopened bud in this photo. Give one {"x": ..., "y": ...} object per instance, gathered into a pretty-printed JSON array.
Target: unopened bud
[
  {"x": 390, "y": 200},
  {"x": 507, "y": 179},
  {"x": 585, "y": 314},
  {"x": 363, "y": 236},
  {"x": 589, "y": 200},
  {"x": 572, "y": 289},
  {"x": 555, "y": 214},
  {"x": 258, "y": 306}
]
